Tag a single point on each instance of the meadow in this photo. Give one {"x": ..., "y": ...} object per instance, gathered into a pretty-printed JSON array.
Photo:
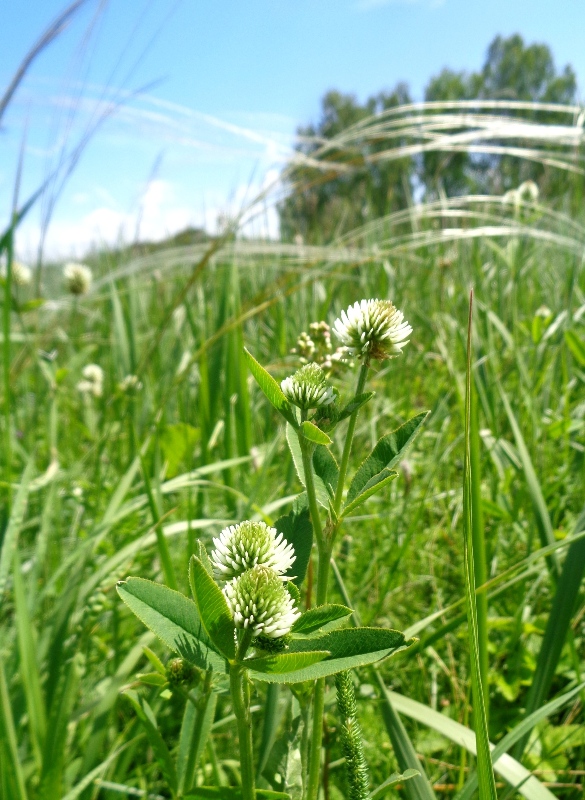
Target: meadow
[{"x": 125, "y": 478}]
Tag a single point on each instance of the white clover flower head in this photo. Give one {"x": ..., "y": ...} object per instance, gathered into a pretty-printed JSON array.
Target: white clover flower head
[
  {"x": 21, "y": 274},
  {"x": 259, "y": 601},
  {"x": 241, "y": 547},
  {"x": 93, "y": 382},
  {"x": 308, "y": 388},
  {"x": 77, "y": 278},
  {"x": 372, "y": 329},
  {"x": 130, "y": 385}
]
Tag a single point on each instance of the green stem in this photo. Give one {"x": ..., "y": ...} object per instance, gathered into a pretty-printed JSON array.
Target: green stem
[
  {"x": 349, "y": 439},
  {"x": 311, "y": 494},
  {"x": 6, "y": 357},
  {"x": 240, "y": 701}
]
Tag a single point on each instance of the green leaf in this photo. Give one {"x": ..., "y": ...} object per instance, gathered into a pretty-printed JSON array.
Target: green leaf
[
  {"x": 195, "y": 730},
  {"x": 271, "y": 389},
  {"x": 315, "y": 618},
  {"x": 576, "y": 345},
  {"x": 282, "y": 663},
  {"x": 295, "y": 449},
  {"x": 297, "y": 530},
  {"x": 326, "y": 468},
  {"x": 174, "y": 618},
  {"x": 349, "y": 648},
  {"x": 232, "y": 793},
  {"x": 354, "y": 404},
  {"x": 213, "y": 609},
  {"x": 372, "y": 487},
  {"x": 177, "y": 443},
  {"x": 293, "y": 590},
  {"x": 389, "y": 450},
  {"x": 161, "y": 751},
  {"x": 314, "y": 434},
  {"x": 203, "y": 557},
  {"x": 395, "y": 778}
]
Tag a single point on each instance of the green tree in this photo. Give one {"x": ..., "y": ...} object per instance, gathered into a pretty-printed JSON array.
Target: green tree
[
  {"x": 325, "y": 202},
  {"x": 512, "y": 71}
]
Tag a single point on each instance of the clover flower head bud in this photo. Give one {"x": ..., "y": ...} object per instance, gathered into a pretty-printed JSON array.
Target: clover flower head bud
[
  {"x": 308, "y": 388},
  {"x": 372, "y": 329},
  {"x": 259, "y": 601},
  {"x": 130, "y": 385},
  {"x": 21, "y": 274},
  {"x": 249, "y": 544},
  {"x": 305, "y": 347},
  {"x": 180, "y": 671},
  {"x": 77, "y": 278},
  {"x": 93, "y": 382}
]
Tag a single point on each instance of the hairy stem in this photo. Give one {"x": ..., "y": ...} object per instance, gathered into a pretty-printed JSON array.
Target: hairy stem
[
  {"x": 349, "y": 439},
  {"x": 241, "y": 704}
]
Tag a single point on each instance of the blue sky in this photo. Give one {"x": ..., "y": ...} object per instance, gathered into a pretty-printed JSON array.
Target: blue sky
[{"x": 203, "y": 98}]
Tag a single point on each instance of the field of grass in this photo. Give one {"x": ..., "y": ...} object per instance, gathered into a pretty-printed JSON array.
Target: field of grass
[{"x": 96, "y": 488}]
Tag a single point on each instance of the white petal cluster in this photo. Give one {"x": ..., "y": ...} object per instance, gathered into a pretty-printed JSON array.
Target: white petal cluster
[
  {"x": 93, "y": 382},
  {"x": 241, "y": 547},
  {"x": 77, "y": 278},
  {"x": 21, "y": 274},
  {"x": 308, "y": 388},
  {"x": 372, "y": 329},
  {"x": 259, "y": 602}
]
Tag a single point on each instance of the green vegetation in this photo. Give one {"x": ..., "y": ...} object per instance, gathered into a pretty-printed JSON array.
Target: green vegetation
[{"x": 104, "y": 475}]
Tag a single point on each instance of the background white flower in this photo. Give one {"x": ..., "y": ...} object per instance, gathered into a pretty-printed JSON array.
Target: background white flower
[
  {"x": 93, "y": 382},
  {"x": 77, "y": 278},
  {"x": 21, "y": 274}
]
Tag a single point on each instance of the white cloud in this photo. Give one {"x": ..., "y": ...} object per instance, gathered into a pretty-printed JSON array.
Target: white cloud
[{"x": 159, "y": 214}]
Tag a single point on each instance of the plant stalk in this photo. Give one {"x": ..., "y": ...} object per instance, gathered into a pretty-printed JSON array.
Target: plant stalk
[
  {"x": 241, "y": 704},
  {"x": 349, "y": 439}
]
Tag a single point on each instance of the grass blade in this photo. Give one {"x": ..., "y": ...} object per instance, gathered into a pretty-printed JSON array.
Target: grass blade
[
  {"x": 557, "y": 627},
  {"x": 517, "y": 733},
  {"x": 8, "y": 738},
  {"x": 541, "y": 514},
  {"x": 10, "y": 540},
  {"x": 487, "y": 783},
  {"x": 510, "y": 769}
]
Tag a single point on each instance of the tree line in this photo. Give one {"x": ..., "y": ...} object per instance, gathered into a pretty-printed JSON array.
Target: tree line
[{"x": 364, "y": 184}]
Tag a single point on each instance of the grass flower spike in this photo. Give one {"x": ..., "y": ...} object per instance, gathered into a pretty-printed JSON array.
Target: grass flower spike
[
  {"x": 241, "y": 547},
  {"x": 259, "y": 602},
  {"x": 308, "y": 388},
  {"x": 77, "y": 278},
  {"x": 372, "y": 329},
  {"x": 93, "y": 382}
]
